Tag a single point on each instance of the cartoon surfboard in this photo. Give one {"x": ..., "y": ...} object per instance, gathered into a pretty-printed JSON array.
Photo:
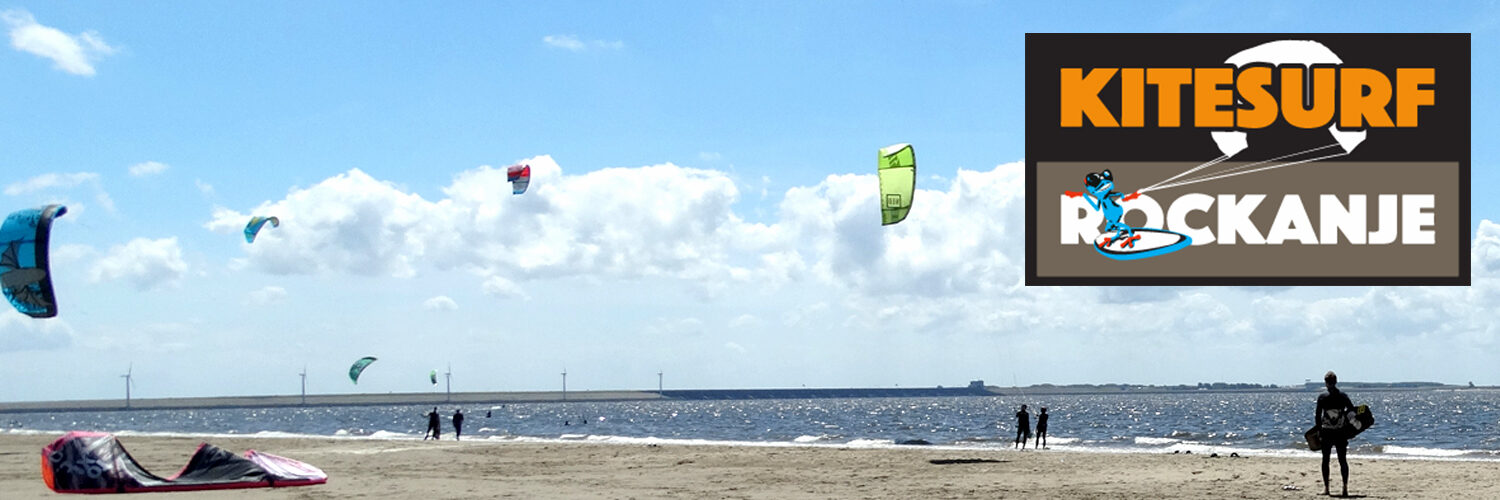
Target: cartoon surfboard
[{"x": 1146, "y": 242}]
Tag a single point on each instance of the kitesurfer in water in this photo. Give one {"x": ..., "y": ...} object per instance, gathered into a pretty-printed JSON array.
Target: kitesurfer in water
[
  {"x": 1023, "y": 427},
  {"x": 1041, "y": 429},
  {"x": 458, "y": 424},
  {"x": 434, "y": 425},
  {"x": 1332, "y": 419}
]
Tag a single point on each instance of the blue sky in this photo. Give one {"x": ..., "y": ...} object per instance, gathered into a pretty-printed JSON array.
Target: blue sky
[{"x": 701, "y": 203}]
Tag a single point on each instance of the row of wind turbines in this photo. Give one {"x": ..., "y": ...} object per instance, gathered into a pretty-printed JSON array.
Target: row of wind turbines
[{"x": 447, "y": 375}]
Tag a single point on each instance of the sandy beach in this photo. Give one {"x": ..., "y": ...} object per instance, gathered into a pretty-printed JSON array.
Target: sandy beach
[{"x": 359, "y": 468}]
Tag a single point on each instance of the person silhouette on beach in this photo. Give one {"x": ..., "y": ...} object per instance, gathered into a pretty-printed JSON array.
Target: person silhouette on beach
[
  {"x": 458, "y": 424},
  {"x": 434, "y": 425},
  {"x": 1023, "y": 427},
  {"x": 1332, "y": 419},
  {"x": 1041, "y": 429}
]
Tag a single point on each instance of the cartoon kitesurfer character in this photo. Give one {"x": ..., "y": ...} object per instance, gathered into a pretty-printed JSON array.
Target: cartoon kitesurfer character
[{"x": 1099, "y": 191}]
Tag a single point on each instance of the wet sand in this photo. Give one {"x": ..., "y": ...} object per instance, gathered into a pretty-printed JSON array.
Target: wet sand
[{"x": 364, "y": 468}]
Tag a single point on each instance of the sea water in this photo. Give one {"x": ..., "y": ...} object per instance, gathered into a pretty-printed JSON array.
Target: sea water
[{"x": 1443, "y": 424}]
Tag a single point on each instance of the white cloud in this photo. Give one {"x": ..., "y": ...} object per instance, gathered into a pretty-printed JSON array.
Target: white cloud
[
  {"x": 70, "y": 53},
  {"x": 963, "y": 241},
  {"x": 204, "y": 187},
  {"x": 500, "y": 287},
  {"x": 66, "y": 254},
  {"x": 50, "y": 181},
  {"x": 675, "y": 327},
  {"x": 148, "y": 168},
  {"x": 955, "y": 265},
  {"x": 571, "y": 42},
  {"x": 744, "y": 320},
  {"x": 349, "y": 223},
  {"x": 735, "y": 347},
  {"x": 440, "y": 303},
  {"x": 268, "y": 295},
  {"x": 19, "y": 332},
  {"x": 142, "y": 262},
  {"x": 660, "y": 220}
]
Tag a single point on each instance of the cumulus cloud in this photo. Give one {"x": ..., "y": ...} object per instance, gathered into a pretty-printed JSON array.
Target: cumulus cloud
[
  {"x": 21, "y": 333},
  {"x": 573, "y": 43},
  {"x": 54, "y": 181},
  {"x": 144, "y": 169},
  {"x": 962, "y": 241},
  {"x": 955, "y": 265},
  {"x": 440, "y": 303},
  {"x": 50, "y": 181},
  {"x": 349, "y": 223},
  {"x": 144, "y": 263},
  {"x": 500, "y": 287},
  {"x": 74, "y": 54},
  {"x": 268, "y": 295},
  {"x": 744, "y": 320},
  {"x": 661, "y": 220}
]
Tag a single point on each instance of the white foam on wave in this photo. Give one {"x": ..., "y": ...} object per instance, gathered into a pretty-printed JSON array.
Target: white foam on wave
[
  {"x": 25, "y": 432},
  {"x": 870, "y": 443},
  {"x": 811, "y": 439},
  {"x": 1155, "y": 441},
  {"x": 1153, "y": 445},
  {"x": 1424, "y": 452}
]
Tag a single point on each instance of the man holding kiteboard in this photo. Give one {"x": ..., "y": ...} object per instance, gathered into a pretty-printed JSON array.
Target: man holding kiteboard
[{"x": 1332, "y": 419}]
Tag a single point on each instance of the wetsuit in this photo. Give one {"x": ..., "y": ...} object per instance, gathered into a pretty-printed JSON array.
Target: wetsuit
[
  {"x": 434, "y": 425},
  {"x": 1041, "y": 429},
  {"x": 1023, "y": 427},
  {"x": 1333, "y": 429},
  {"x": 458, "y": 425}
]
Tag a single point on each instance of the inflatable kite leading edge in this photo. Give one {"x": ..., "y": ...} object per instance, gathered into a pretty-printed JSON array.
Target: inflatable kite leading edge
[{"x": 95, "y": 462}]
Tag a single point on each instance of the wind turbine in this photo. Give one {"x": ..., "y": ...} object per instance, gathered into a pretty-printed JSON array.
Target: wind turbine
[
  {"x": 565, "y": 383},
  {"x": 658, "y": 382},
  {"x": 303, "y": 374},
  {"x": 129, "y": 380},
  {"x": 449, "y": 376}
]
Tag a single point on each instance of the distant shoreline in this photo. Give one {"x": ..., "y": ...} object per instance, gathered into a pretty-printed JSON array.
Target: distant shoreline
[{"x": 478, "y": 398}]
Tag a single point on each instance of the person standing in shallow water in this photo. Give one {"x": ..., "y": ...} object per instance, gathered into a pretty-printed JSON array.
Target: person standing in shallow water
[
  {"x": 1041, "y": 429},
  {"x": 458, "y": 424},
  {"x": 1332, "y": 419},
  {"x": 1023, "y": 427}
]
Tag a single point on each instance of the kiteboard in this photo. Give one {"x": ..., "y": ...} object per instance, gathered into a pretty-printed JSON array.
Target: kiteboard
[
  {"x": 1359, "y": 420},
  {"x": 1145, "y": 242},
  {"x": 1314, "y": 441}
]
